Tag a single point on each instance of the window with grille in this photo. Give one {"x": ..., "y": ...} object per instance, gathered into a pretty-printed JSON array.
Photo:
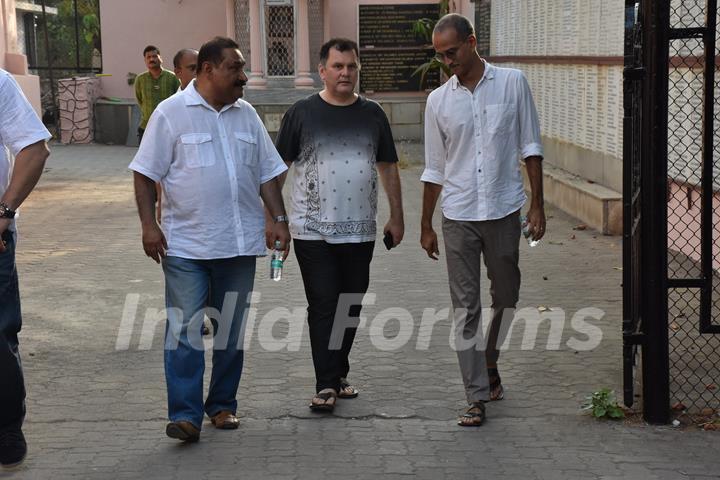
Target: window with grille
[{"x": 280, "y": 40}]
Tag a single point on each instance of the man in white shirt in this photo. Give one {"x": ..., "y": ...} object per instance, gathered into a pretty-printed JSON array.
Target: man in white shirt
[
  {"x": 185, "y": 64},
  {"x": 215, "y": 160},
  {"x": 477, "y": 127},
  {"x": 24, "y": 135},
  {"x": 339, "y": 143}
]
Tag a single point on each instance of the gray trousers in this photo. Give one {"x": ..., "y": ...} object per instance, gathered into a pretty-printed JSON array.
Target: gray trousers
[{"x": 498, "y": 243}]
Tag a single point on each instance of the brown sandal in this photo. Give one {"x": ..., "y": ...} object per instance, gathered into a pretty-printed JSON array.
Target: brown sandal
[{"x": 473, "y": 416}]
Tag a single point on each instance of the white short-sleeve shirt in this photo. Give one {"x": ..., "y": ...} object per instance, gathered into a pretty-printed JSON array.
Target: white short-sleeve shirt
[
  {"x": 211, "y": 165},
  {"x": 20, "y": 127},
  {"x": 474, "y": 142}
]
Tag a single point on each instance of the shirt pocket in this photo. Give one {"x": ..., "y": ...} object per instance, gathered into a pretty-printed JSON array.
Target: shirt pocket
[
  {"x": 499, "y": 118},
  {"x": 197, "y": 149},
  {"x": 246, "y": 147}
]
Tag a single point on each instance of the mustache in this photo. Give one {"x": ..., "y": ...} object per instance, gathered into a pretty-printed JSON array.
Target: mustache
[{"x": 240, "y": 83}]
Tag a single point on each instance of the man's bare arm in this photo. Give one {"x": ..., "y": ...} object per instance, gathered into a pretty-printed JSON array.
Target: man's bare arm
[
  {"x": 390, "y": 178},
  {"x": 153, "y": 239},
  {"x": 536, "y": 213},
  {"x": 428, "y": 237},
  {"x": 29, "y": 163}
]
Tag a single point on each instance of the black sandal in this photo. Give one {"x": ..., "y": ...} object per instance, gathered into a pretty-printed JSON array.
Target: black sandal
[
  {"x": 476, "y": 415},
  {"x": 497, "y": 392},
  {"x": 347, "y": 390},
  {"x": 324, "y": 395}
]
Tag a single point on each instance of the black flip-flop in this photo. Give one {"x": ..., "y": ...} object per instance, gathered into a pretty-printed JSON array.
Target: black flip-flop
[
  {"x": 324, "y": 396},
  {"x": 345, "y": 385}
]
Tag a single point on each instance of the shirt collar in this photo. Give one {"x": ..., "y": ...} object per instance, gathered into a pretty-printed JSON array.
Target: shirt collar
[
  {"x": 489, "y": 74},
  {"x": 193, "y": 98}
]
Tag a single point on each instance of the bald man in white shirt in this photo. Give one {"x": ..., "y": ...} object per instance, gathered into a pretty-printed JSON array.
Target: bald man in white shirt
[{"x": 478, "y": 126}]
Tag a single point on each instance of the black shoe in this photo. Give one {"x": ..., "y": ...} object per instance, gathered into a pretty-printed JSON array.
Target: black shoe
[{"x": 12, "y": 447}]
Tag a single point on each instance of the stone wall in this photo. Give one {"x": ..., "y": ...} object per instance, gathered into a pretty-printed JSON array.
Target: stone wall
[{"x": 77, "y": 97}]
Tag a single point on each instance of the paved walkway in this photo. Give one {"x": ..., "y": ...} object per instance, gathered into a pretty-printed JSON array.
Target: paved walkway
[{"x": 98, "y": 412}]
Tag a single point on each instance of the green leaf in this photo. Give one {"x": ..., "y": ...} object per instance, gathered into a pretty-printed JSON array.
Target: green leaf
[{"x": 599, "y": 411}]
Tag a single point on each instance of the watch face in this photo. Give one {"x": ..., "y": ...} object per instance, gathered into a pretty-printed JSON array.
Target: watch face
[{"x": 5, "y": 212}]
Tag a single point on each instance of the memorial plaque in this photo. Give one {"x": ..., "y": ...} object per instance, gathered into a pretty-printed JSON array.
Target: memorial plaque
[
  {"x": 392, "y": 71},
  {"x": 389, "y": 49},
  {"x": 483, "y": 26},
  {"x": 391, "y": 26}
]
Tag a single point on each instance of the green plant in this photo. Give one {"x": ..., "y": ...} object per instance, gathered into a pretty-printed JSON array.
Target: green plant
[
  {"x": 602, "y": 404},
  {"x": 423, "y": 28}
]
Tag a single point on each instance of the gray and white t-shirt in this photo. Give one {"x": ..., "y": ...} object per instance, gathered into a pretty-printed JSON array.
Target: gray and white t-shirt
[{"x": 334, "y": 150}]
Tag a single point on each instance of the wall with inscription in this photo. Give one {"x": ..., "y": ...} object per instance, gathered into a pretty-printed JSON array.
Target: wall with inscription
[
  {"x": 558, "y": 27},
  {"x": 579, "y": 104},
  {"x": 390, "y": 51}
]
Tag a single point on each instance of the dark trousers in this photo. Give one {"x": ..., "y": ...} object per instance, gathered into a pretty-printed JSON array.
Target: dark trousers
[
  {"x": 329, "y": 270},
  {"x": 12, "y": 385}
]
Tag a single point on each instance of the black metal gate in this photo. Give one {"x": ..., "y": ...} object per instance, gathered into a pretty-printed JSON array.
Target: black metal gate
[{"x": 671, "y": 287}]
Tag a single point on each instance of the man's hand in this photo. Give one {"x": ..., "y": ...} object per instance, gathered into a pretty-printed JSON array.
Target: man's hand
[
  {"x": 429, "y": 242},
  {"x": 4, "y": 225},
  {"x": 154, "y": 242},
  {"x": 536, "y": 220},
  {"x": 396, "y": 227},
  {"x": 278, "y": 231}
]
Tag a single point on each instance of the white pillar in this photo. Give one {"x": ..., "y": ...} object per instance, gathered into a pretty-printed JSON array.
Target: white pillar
[
  {"x": 302, "y": 50},
  {"x": 257, "y": 78}
]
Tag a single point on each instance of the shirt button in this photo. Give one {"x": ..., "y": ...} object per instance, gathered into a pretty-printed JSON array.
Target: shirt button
[{"x": 479, "y": 169}]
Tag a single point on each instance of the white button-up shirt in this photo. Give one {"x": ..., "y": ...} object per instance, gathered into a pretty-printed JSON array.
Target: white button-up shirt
[
  {"x": 20, "y": 127},
  {"x": 474, "y": 142},
  {"x": 211, "y": 165}
]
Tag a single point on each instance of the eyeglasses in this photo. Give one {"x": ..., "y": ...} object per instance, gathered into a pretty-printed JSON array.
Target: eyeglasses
[{"x": 450, "y": 53}]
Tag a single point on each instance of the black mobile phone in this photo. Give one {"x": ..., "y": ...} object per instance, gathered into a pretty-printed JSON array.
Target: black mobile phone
[{"x": 388, "y": 240}]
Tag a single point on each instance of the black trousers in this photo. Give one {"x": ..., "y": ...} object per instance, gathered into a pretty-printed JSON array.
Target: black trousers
[
  {"x": 12, "y": 385},
  {"x": 329, "y": 271}
]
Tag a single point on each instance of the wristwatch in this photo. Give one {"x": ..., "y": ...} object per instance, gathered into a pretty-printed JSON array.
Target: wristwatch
[
  {"x": 5, "y": 211},
  {"x": 280, "y": 218}
]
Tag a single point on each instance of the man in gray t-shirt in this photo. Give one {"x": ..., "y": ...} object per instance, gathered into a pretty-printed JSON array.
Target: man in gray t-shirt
[{"x": 338, "y": 142}]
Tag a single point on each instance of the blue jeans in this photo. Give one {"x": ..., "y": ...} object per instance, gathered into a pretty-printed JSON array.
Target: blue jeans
[
  {"x": 219, "y": 288},
  {"x": 12, "y": 384}
]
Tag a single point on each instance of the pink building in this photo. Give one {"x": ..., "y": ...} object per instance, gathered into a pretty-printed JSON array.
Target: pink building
[
  {"x": 11, "y": 59},
  {"x": 279, "y": 38}
]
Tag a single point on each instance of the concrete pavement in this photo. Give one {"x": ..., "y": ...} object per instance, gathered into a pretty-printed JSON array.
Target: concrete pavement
[{"x": 98, "y": 412}]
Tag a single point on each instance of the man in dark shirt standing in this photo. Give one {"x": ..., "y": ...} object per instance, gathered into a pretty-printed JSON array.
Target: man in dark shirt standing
[{"x": 338, "y": 142}]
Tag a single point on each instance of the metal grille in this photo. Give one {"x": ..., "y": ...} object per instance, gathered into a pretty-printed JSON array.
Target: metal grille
[
  {"x": 316, "y": 19},
  {"x": 242, "y": 28},
  {"x": 693, "y": 195},
  {"x": 632, "y": 205},
  {"x": 280, "y": 40}
]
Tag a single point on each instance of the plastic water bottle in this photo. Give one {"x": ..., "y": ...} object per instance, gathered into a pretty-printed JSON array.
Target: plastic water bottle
[
  {"x": 526, "y": 231},
  {"x": 276, "y": 262}
]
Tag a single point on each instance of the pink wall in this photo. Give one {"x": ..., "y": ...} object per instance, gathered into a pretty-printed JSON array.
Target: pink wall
[
  {"x": 12, "y": 61},
  {"x": 685, "y": 236},
  {"x": 342, "y": 16},
  {"x": 129, "y": 25}
]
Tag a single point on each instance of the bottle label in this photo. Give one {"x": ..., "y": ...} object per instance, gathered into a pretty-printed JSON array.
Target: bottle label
[{"x": 276, "y": 263}]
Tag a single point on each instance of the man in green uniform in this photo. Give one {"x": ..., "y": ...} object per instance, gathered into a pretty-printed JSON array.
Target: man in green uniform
[{"x": 153, "y": 86}]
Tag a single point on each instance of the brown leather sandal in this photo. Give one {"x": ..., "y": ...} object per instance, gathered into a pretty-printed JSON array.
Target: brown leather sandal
[{"x": 473, "y": 416}]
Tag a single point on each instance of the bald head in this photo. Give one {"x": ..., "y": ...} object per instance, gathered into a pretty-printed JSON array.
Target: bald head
[
  {"x": 185, "y": 63},
  {"x": 454, "y": 21}
]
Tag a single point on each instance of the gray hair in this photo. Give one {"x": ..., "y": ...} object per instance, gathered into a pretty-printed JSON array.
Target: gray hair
[{"x": 457, "y": 22}]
